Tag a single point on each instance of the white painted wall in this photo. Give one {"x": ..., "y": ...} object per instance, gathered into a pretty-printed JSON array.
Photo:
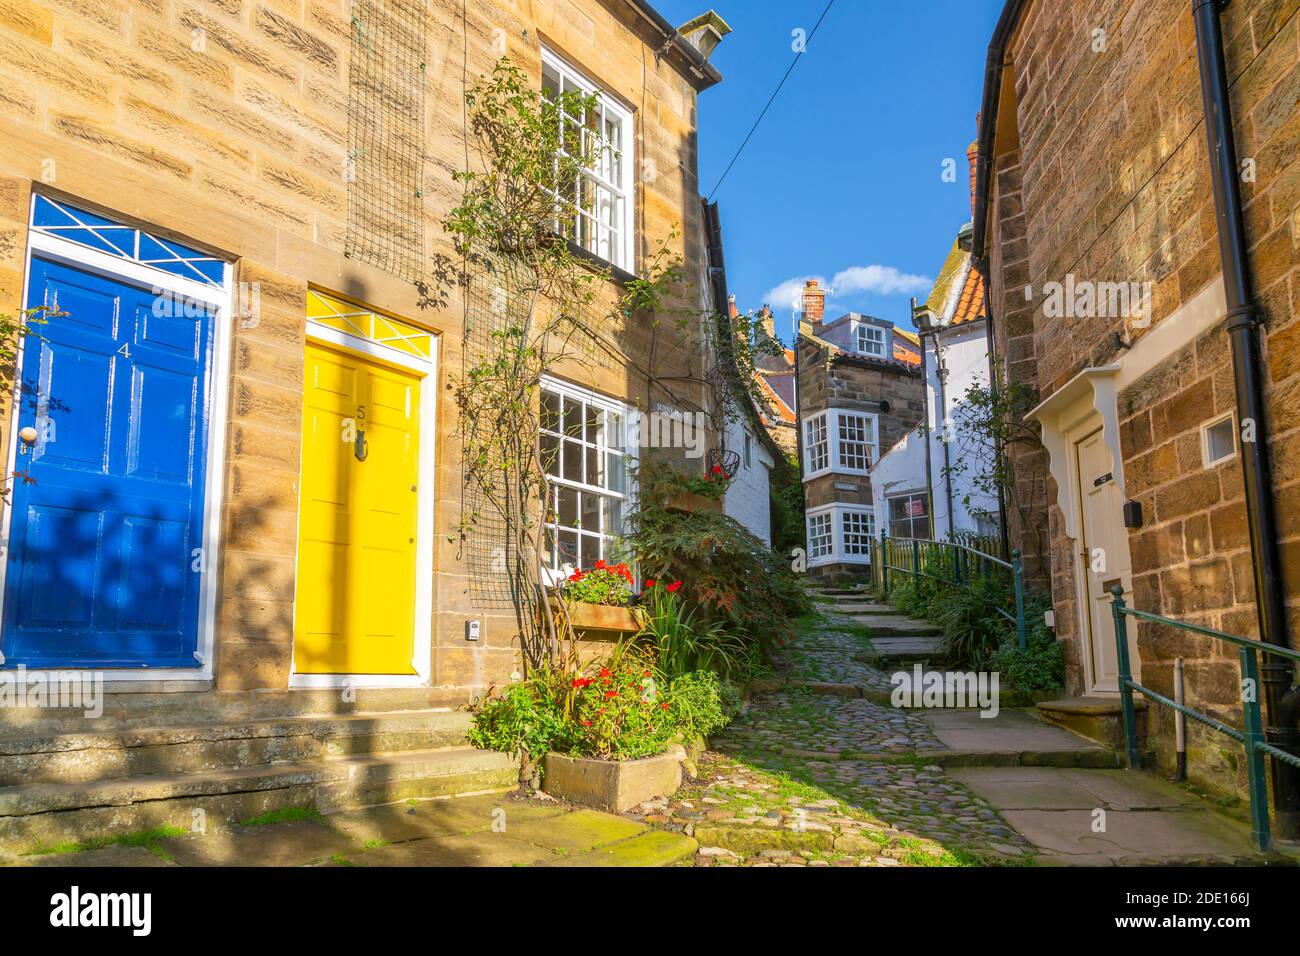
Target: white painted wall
[
  {"x": 964, "y": 352},
  {"x": 749, "y": 497}
]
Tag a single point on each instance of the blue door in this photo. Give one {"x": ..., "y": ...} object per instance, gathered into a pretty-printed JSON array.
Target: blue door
[{"x": 102, "y": 566}]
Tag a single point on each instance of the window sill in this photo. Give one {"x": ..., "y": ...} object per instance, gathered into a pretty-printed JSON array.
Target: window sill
[{"x": 597, "y": 264}]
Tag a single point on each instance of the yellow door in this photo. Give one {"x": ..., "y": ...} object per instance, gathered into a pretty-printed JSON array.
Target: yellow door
[{"x": 355, "y": 602}]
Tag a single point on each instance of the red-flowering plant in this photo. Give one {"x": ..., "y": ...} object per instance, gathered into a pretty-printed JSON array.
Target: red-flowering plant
[
  {"x": 609, "y": 584},
  {"x": 625, "y": 711}
]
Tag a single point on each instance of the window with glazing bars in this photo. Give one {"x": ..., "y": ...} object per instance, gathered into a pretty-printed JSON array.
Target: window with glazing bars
[
  {"x": 816, "y": 444},
  {"x": 857, "y": 441},
  {"x": 821, "y": 534},
  {"x": 856, "y": 531},
  {"x": 598, "y": 200},
  {"x": 582, "y": 452}
]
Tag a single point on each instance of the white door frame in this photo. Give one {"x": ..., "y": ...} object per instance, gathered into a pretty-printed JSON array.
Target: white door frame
[
  {"x": 424, "y": 520},
  {"x": 82, "y": 257}
]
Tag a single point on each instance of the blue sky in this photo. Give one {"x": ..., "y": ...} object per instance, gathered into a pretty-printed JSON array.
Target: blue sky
[{"x": 845, "y": 172}]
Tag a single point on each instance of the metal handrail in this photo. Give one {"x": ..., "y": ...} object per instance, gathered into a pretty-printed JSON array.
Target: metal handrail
[
  {"x": 966, "y": 562},
  {"x": 1252, "y": 734}
]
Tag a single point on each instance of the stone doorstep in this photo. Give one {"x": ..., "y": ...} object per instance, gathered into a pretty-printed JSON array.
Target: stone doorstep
[
  {"x": 84, "y": 758},
  {"x": 39, "y": 798},
  {"x": 149, "y": 707},
  {"x": 38, "y": 814}
]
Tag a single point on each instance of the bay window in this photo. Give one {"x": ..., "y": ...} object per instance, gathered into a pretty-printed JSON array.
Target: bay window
[{"x": 842, "y": 441}]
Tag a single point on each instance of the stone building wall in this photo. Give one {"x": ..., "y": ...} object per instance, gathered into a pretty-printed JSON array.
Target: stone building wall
[
  {"x": 1109, "y": 153},
  {"x": 224, "y": 124}
]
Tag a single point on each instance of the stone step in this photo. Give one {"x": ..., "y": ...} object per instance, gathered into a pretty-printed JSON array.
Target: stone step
[
  {"x": 126, "y": 709},
  {"x": 858, "y": 608},
  {"x": 895, "y": 626},
  {"x": 45, "y": 814},
  {"x": 155, "y": 751}
]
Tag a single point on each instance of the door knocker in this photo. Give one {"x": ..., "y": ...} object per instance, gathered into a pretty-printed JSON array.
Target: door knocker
[{"x": 360, "y": 448}]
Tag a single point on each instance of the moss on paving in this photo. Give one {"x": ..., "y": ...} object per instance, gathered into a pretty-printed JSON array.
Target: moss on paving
[
  {"x": 149, "y": 839},
  {"x": 284, "y": 815}
]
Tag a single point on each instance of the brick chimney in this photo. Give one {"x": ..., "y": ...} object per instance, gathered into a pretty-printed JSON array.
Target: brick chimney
[
  {"x": 814, "y": 301},
  {"x": 767, "y": 322},
  {"x": 972, "y": 157},
  {"x": 731, "y": 307}
]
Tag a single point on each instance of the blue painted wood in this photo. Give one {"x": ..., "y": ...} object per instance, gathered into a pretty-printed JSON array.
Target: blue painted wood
[{"x": 102, "y": 568}]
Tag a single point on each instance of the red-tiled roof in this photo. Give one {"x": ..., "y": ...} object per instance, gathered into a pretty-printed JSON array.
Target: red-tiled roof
[
  {"x": 970, "y": 304},
  {"x": 783, "y": 411}
]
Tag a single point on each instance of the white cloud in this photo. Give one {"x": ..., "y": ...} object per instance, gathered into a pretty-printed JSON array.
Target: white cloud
[
  {"x": 789, "y": 294},
  {"x": 882, "y": 280}
]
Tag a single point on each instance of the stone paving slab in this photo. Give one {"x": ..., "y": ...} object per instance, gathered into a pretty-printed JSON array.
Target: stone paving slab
[
  {"x": 1009, "y": 730},
  {"x": 112, "y": 856},
  {"x": 1147, "y": 821},
  {"x": 276, "y": 844},
  {"x": 1043, "y": 788}
]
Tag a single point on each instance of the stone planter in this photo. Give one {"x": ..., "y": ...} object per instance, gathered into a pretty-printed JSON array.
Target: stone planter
[{"x": 615, "y": 785}]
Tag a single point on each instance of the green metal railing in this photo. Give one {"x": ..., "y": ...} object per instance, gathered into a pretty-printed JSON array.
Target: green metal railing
[
  {"x": 1251, "y": 736},
  {"x": 950, "y": 563}
]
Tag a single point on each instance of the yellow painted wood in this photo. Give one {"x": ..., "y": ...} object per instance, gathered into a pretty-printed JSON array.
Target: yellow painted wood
[{"x": 355, "y": 603}]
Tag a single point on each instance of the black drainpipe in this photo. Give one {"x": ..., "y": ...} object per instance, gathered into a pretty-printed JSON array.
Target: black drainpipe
[
  {"x": 1004, "y": 532},
  {"x": 941, "y": 372},
  {"x": 926, "y": 431},
  {"x": 1243, "y": 323}
]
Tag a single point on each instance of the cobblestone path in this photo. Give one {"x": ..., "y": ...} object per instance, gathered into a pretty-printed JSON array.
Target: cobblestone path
[{"x": 812, "y": 774}]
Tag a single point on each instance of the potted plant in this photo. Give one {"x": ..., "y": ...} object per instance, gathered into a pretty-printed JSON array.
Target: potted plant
[
  {"x": 597, "y": 601},
  {"x": 700, "y": 492},
  {"x": 606, "y": 735}
]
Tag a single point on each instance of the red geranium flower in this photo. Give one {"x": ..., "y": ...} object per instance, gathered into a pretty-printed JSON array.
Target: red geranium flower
[
  {"x": 649, "y": 582},
  {"x": 717, "y": 469},
  {"x": 610, "y": 693},
  {"x": 675, "y": 586},
  {"x": 664, "y": 705},
  {"x": 600, "y": 565}
]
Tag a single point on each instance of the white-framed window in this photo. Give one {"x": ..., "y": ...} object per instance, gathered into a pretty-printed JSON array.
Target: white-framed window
[
  {"x": 584, "y": 453},
  {"x": 840, "y": 534},
  {"x": 749, "y": 451},
  {"x": 840, "y": 440},
  {"x": 857, "y": 527},
  {"x": 1219, "y": 440},
  {"x": 909, "y": 515},
  {"x": 821, "y": 537},
  {"x": 816, "y": 446},
  {"x": 870, "y": 339},
  {"x": 600, "y": 199}
]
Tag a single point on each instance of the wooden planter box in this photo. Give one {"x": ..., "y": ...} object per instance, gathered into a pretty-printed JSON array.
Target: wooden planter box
[
  {"x": 690, "y": 501},
  {"x": 603, "y": 622},
  {"x": 615, "y": 785}
]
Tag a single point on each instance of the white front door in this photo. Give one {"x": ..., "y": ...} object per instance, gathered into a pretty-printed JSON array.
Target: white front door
[{"x": 1104, "y": 562}]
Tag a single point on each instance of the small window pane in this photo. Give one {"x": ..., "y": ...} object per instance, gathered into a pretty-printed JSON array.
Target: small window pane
[{"x": 1220, "y": 441}]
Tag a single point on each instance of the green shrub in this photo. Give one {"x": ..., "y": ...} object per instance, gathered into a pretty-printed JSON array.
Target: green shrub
[
  {"x": 730, "y": 575},
  {"x": 683, "y": 640},
  {"x": 528, "y": 718},
  {"x": 619, "y": 708},
  {"x": 696, "y": 703},
  {"x": 1040, "y": 667}
]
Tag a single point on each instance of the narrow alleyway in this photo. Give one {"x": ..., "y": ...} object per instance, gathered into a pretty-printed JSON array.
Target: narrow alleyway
[{"x": 820, "y": 769}]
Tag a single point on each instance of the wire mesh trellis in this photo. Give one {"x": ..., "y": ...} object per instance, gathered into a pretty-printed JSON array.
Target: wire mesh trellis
[
  {"x": 384, "y": 168},
  {"x": 491, "y": 551}
]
